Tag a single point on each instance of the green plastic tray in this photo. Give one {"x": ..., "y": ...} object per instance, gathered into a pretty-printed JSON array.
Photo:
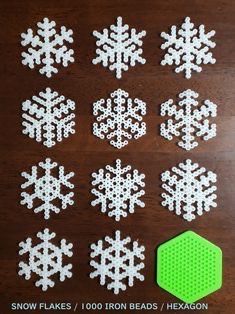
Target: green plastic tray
[{"x": 189, "y": 267}]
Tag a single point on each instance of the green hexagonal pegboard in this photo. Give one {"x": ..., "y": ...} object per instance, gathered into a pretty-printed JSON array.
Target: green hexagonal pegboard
[{"x": 189, "y": 267}]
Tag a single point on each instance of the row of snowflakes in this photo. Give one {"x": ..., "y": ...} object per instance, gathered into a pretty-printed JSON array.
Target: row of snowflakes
[
  {"x": 189, "y": 189},
  {"x": 118, "y": 262},
  {"x": 49, "y": 117},
  {"x": 119, "y": 47}
]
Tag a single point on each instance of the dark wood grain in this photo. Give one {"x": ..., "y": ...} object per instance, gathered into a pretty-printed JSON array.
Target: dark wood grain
[{"x": 83, "y": 153}]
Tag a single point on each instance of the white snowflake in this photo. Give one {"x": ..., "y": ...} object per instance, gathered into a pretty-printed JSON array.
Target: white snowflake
[
  {"x": 117, "y": 262},
  {"x": 119, "y": 118},
  {"x": 118, "y": 190},
  {"x": 47, "y": 188},
  {"x": 189, "y": 190},
  {"x": 188, "y": 47},
  {"x": 47, "y": 47},
  {"x": 119, "y": 47},
  {"x": 45, "y": 259},
  {"x": 48, "y": 117},
  {"x": 188, "y": 120}
]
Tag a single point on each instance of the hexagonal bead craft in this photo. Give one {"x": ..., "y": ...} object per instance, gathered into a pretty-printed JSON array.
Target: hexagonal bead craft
[
  {"x": 189, "y": 190},
  {"x": 118, "y": 190},
  {"x": 45, "y": 259},
  {"x": 190, "y": 120},
  {"x": 189, "y": 267},
  {"x": 119, "y": 118},
  {"x": 117, "y": 262},
  {"x": 119, "y": 48},
  {"x": 45, "y": 187},
  {"x": 188, "y": 47},
  {"x": 47, "y": 47},
  {"x": 48, "y": 117}
]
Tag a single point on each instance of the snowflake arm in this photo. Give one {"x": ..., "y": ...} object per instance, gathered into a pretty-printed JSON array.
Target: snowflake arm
[
  {"x": 188, "y": 48},
  {"x": 118, "y": 48},
  {"x": 44, "y": 49},
  {"x": 47, "y": 208},
  {"x": 118, "y": 260},
  {"x": 66, "y": 125},
  {"x": 45, "y": 259}
]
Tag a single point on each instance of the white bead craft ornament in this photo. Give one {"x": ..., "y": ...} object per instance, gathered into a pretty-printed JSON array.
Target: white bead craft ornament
[
  {"x": 117, "y": 262},
  {"x": 48, "y": 117},
  {"x": 119, "y": 47},
  {"x": 45, "y": 259},
  {"x": 47, "y": 47},
  {"x": 118, "y": 190},
  {"x": 48, "y": 187},
  {"x": 189, "y": 190},
  {"x": 188, "y": 48},
  {"x": 119, "y": 118},
  {"x": 188, "y": 120}
]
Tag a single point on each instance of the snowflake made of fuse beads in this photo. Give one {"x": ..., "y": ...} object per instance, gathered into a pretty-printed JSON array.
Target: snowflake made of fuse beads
[
  {"x": 117, "y": 262},
  {"x": 45, "y": 259},
  {"x": 118, "y": 190},
  {"x": 188, "y": 48},
  {"x": 119, "y": 118},
  {"x": 48, "y": 118},
  {"x": 119, "y": 48},
  {"x": 189, "y": 190},
  {"x": 188, "y": 120},
  {"x": 47, "y": 47},
  {"x": 48, "y": 188}
]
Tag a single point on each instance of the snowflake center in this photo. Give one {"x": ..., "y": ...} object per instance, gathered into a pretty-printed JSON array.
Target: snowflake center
[
  {"x": 48, "y": 188},
  {"x": 45, "y": 264},
  {"x": 189, "y": 189}
]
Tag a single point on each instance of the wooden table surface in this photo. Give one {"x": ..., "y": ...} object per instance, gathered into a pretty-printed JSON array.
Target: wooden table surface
[{"x": 84, "y": 153}]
